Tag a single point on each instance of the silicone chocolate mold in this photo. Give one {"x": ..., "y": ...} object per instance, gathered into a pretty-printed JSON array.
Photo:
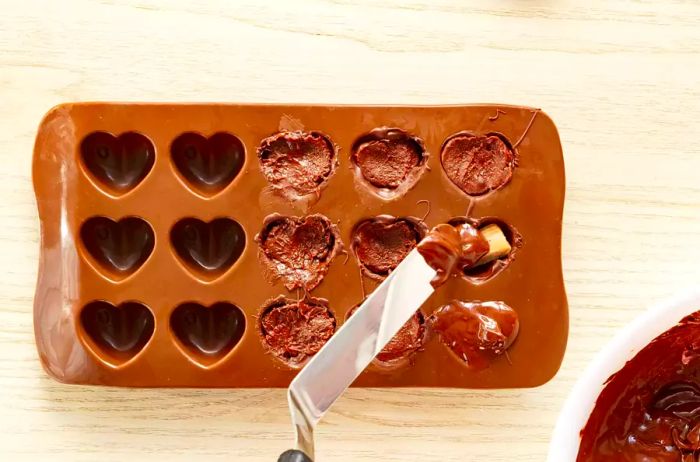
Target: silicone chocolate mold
[{"x": 225, "y": 247}]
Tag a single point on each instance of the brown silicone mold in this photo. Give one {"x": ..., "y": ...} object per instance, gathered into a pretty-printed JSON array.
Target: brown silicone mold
[{"x": 224, "y": 248}]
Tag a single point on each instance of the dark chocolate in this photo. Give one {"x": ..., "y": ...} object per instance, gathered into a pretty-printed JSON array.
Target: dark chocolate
[
  {"x": 406, "y": 343},
  {"x": 297, "y": 164},
  {"x": 295, "y": 330},
  {"x": 450, "y": 250},
  {"x": 298, "y": 250},
  {"x": 650, "y": 409},
  {"x": 484, "y": 272},
  {"x": 477, "y": 164},
  {"x": 382, "y": 242},
  {"x": 389, "y": 160},
  {"x": 476, "y": 332}
]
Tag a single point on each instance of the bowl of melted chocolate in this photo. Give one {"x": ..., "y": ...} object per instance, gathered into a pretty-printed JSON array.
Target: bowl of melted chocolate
[{"x": 639, "y": 400}]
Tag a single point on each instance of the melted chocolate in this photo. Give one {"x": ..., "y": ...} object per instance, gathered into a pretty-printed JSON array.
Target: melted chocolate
[
  {"x": 451, "y": 249},
  {"x": 650, "y": 413},
  {"x": 389, "y": 161},
  {"x": 407, "y": 341},
  {"x": 478, "y": 164},
  {"x": 485, "y": 272},
  {"x": 476, "y": 331},
  {"x": 298, "y": 250},
  {"x": 381, "y": 243},
  {"x": 297, "y": 163},
  {"x": 296, "y": 330}
]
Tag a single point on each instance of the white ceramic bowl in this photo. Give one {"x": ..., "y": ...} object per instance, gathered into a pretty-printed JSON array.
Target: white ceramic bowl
[{"x": 579, "y": 405}]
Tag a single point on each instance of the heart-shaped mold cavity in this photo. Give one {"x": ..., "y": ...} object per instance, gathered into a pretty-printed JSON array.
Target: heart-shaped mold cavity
[
  {"x": 117, "y": 163},
  {"x": 482, "y": 273},
  {"x": 208, "y": 249},
  {"x": 295, "y": 330},
  {"x": 297, "y": 164},
  {"x": 117, "y": 333},
  {"x": 382, "y": 242},
  {"x": 119, "y": 247},
  {"x": 478, "y": 164},
  {"x": 207, "y": 334},
  {"x": 389, "y": 161},
  {"x": 208, "y": 165},
  {"x": 298, "y": 250},
  {"x": 476, "y": 332},
  {"x": 404, "y": 345}
]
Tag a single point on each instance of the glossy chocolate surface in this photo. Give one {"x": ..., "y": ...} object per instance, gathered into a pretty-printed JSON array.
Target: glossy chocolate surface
[
  {"x": 650, "y": 409},
  {"x": 476, "y": 332},
  {"x": 452, "y": 249},
  {"x": 176, "y": 298}
]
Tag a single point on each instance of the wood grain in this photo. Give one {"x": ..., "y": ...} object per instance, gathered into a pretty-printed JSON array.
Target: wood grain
[{"x": 621, "y": 78}]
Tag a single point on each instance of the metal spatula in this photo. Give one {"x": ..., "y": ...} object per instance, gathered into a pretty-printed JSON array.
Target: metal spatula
[{"x": 331, "y": 371}]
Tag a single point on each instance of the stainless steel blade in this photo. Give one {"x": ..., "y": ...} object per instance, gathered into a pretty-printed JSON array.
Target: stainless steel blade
[{"x": 333, "y": 369}]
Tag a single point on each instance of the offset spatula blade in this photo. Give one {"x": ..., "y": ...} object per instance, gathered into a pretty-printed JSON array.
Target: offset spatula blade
[{"x": 333, "y": 369}]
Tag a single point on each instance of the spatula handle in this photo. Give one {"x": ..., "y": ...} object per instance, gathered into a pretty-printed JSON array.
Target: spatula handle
[{"x": 294, "y": 455}]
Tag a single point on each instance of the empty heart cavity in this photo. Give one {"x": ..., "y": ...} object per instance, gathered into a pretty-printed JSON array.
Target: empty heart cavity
[
  {"x": 208, "y": 165},
  {"x": 118, "y": 247},
  {"x": 207, "y": 334},
  {"x": 117, "y": 333},
  {"x": 208, "y": 249},
  {"x": 117, "y": 163}
]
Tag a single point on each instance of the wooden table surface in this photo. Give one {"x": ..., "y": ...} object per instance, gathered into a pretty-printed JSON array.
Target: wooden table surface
[{"x": 621, "y": 78}]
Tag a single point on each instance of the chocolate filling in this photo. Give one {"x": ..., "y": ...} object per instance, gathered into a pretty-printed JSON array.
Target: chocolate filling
[
  {"x": 451, "y": 250},
  {"x": 381, "y": 243},
  {"x": 297, "y": 163},
  {"x": 478, "y": 164},
  {"x": 476, "y": 332},
  {"x": 298, "y": 250},
  {"x": 294, "y": 330},
  {"x": 407, "y": 341},
  {"x": 485, "y": 272}
]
